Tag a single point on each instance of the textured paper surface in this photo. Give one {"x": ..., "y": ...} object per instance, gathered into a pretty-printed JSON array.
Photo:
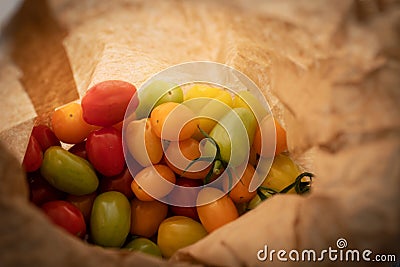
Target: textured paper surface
[{"x": 329, "y": 70}]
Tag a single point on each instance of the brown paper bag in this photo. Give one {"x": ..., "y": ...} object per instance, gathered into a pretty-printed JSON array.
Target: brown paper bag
[{"x": 329, "y": 70}]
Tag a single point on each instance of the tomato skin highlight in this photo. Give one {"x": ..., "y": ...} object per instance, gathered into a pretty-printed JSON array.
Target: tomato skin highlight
[
  {"x": 105, "y": 152},
  {"x": 67, "y": 216},
  {"x": 33, "y": 155},
  {"x": 45, "y": 136},
  {"x": 105, "y": 103}
]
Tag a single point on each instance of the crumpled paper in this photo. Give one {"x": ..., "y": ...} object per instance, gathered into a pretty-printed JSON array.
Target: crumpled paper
[{"x": 329, "y": 71}]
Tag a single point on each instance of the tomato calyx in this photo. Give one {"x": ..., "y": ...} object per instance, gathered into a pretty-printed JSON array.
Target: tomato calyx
[{"x": 301, "y": 187}]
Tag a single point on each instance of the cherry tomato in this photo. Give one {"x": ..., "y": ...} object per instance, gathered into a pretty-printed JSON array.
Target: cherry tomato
[
  {"x": 33, "y": 156},
  {"x": 190, "y": 212},
  {"x": 178, "y": 232},
  {"x": 153, "y": 182},
  {"x": 105, "y": 152},
  {"x": 41, "y": 191},
  {"x": 143, "y": 144},
  {"x": 180, "y": 154},
  {"x": 68, "y": 124},
  {"x": 146, "y": 216},
  {"x": 156, "y": 93},
  {"x": 173, "y": 121},
  {"x": 66, "y": 215},
  {"x": 45, "y": 136},
  {"x": 144, "y": 245},
  {"x": 282, "y": 173},
  {"x": 84, "y": 203},
  {"x": 121, "y": 183},
  {"x": 216, "y": 213},
  {"x": 105, "y": 103},
  {"x": 110, "y": 219},
  {"x": 265, "y": 133},
  {"x": 68, "y": 172},
  {"x": 240, "y": 192},
  {"x": 79, "y": 150}
]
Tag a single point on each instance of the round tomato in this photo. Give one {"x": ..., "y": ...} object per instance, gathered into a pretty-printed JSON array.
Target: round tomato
[
  {"x": 146, "y": 216},
  {"x": 45, "y": 136},
  {"x": 33, "y": 156},
  {"x": 105, "y": 152},
  {"x": 105, "y": 103},
  {"x": 144, "y": 245},
  {"x": 68, "y": 124},
  {"x": 178, "y": 232},
  {"x": 67, "y": 216},
  {"x": 217, "y": 212}
]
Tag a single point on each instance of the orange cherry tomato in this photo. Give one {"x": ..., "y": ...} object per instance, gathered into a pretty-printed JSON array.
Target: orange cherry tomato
[
  {"x": 265, "y": 133},
  {"x": 146, "y": 216},
  {"x": 216, "y": 213},
  {"x": 240, "y": 192},
  {"x": 153, "y": 182},
  {"x": 68, "y": 124},
  {"x": 173, "y": 121},
  {"x": 180, "y": 154}
]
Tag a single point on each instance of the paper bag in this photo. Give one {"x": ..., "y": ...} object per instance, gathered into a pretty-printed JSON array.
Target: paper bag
[{"x": 329, "y": 70}]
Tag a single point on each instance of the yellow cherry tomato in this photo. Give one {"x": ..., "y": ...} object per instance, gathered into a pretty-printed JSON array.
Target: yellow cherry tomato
[{"x": 178, "y": 232}]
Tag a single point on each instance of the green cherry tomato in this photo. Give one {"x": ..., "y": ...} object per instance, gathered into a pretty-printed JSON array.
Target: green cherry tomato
[
  {"x": 68, "y": 172},
  {"x": 144, "y": 245},
  {"x": 156, "y": 93},
  {"x": 230, "y": 135},
  {"x": 110, "y": 220},
  {"x": 178, "y": 232}
]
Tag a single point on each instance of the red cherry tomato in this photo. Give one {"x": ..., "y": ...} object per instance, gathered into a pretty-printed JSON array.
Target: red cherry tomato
[
  {"x": 33, "y": 156},
  {"x": 105, "y": 103},
  {"x": 79, "y": 150},
  {"x": 67, "y": 216},
  {"x": 45, "y": 136},
  {"x": 190, "y": 212},
  {"x": 105, "y": 152},
  {"x": 41, "y": 191},
  {"x": 121, "y": 183}
]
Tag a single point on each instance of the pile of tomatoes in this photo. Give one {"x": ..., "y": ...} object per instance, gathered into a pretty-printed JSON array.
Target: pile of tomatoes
[{"x": 78, "y": 173}]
